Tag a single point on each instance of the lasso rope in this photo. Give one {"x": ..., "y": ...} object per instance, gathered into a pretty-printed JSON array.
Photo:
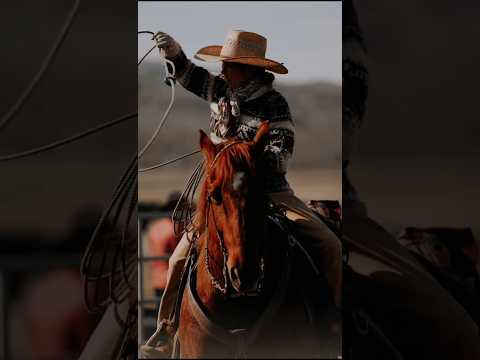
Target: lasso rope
[
  {"x": 170, "y": 77},
  {"x": 4, "y": 121},
  {"x": 169, "y": 161},
  {"x": 183, "y": 213},
  {"x": 67, "y": 140},
  {"x": 120, "y": 194},
  {"x": 127, "y": 182},
  {"x": 95, "y": 271}
]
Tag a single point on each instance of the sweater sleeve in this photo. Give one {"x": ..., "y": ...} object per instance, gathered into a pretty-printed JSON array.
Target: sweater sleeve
[
  {"x": 198, "y": 80},
  {"x": 281, "y": 136},
  {"x": 279, "y": 150}
]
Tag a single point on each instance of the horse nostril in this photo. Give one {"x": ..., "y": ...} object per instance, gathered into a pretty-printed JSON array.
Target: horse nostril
[
  {"x": 235, "y": 277},
  {"x": 234, "y": 274}
]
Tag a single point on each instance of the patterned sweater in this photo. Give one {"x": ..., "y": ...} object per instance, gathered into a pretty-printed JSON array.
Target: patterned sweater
[
  {"x": 261, "y": 106},
  {"x": 355, "y": 92}
]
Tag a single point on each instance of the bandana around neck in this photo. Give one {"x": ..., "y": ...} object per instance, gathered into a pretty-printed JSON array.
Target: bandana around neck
[{"x": 229, "y": 106}]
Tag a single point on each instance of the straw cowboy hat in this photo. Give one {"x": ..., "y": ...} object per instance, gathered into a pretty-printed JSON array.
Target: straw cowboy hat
[{"x": 241, "y": 47}]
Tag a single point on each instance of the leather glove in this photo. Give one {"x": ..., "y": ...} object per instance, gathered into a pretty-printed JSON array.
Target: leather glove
[{"x": 167, "y": 43}]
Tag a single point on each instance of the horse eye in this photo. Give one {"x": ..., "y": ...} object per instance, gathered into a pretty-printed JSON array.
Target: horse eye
[{"x": 217, "y": 195}]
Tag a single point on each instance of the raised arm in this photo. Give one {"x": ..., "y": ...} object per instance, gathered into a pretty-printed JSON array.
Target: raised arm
[{"x": 193, "y": 78}]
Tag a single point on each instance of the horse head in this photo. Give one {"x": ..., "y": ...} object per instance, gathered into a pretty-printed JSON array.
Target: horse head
[{"x": 232, "y": 213}]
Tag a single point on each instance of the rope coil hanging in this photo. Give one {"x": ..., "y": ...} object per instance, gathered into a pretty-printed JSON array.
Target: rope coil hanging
[
  {"x": 123, "y": 192},
  {"x": 97, "y": 250}
]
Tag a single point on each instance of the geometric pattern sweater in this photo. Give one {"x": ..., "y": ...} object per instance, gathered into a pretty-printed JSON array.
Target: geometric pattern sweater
[
  {"x": 270, "y": 105},
  {"x": 355, "y": 93}
]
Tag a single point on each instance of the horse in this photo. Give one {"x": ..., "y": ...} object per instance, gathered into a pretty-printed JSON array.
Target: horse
[{"x": 245, "y": 295}]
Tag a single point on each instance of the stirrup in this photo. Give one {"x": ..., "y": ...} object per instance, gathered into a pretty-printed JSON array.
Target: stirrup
[
  {"x": 157, "y": 352},
  {"x": 160, "y": 343}
]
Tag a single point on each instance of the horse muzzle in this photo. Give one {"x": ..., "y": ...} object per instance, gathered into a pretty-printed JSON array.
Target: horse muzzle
[
  {"x": 243, "y": 286},
  {"x": 235, "y": 279}
]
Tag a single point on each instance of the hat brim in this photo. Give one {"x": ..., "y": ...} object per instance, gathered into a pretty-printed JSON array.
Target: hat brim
[{"x": 212, "y": 54}]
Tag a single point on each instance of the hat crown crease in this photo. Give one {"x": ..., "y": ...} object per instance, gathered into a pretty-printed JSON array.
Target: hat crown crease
[{"x": 244, "y": 44}]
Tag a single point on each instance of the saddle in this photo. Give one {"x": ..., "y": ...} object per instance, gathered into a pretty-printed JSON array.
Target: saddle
[
  {"x": 315, "y": 288},
  {"x": 330, "y": 212}
]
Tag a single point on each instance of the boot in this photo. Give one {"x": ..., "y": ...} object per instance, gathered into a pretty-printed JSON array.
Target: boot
[{"x": 160, "y": 344}]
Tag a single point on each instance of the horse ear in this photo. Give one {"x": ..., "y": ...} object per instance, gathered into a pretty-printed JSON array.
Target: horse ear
[
  {"x": 208, "y": 148},
  {"x": 260, "y": 140}
]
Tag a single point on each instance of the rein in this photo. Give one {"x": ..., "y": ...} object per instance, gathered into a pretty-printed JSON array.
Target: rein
[
  {"x": 238, "y": 339},
  {"x": 215, "y": 282}
]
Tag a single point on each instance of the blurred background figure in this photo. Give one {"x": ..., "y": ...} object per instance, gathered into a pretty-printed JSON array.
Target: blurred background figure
[
  {"x": 157, "y": 234},
  {"x": 161, "y": 241},
  {"x": 57, "y": 326},
  {"x": 42, "y": 311}
]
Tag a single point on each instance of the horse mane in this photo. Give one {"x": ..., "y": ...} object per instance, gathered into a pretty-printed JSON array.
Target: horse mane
[{"x": 233, "y": 158}]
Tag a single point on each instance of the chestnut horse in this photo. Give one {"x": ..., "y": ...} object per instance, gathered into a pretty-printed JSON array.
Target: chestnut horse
[{"x": 244, "y": 297}]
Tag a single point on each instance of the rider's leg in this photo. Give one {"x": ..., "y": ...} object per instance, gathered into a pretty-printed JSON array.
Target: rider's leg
[
  {"x": 307, "y": 227},
  {"x": 176, "y": 265}
]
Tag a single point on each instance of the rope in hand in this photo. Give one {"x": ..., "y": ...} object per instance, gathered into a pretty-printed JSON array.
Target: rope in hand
[
  {"x": 170, "y": 79},
  {"x": 182, "y": 215}
]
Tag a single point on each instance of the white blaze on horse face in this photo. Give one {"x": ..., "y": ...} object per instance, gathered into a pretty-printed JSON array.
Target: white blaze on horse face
[{"x": 238, "y": 180}]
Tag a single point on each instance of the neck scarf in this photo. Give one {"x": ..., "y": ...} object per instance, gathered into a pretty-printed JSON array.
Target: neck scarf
[{"x": 229, "y": 106}]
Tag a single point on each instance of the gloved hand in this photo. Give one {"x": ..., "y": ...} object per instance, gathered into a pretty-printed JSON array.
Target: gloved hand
[{"x": 167, "y": 43}]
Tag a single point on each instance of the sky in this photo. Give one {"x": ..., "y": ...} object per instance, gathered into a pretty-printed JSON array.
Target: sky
[{"x": 305, "y": 36}]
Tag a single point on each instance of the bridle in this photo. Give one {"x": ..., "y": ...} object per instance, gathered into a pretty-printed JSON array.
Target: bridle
[{"x": 215, "y": 283}]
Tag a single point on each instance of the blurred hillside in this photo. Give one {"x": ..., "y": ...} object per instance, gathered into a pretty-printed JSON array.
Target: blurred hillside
[{"x": 315, "y": 107}]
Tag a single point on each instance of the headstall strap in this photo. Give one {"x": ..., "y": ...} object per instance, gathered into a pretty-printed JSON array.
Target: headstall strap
[
  {"x": 220, "y": 152},
  {"x": 214, "y": 281}
]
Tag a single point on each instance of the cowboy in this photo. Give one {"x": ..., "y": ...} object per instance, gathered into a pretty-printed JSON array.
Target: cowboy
[{"x": 241, "y": 98}]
